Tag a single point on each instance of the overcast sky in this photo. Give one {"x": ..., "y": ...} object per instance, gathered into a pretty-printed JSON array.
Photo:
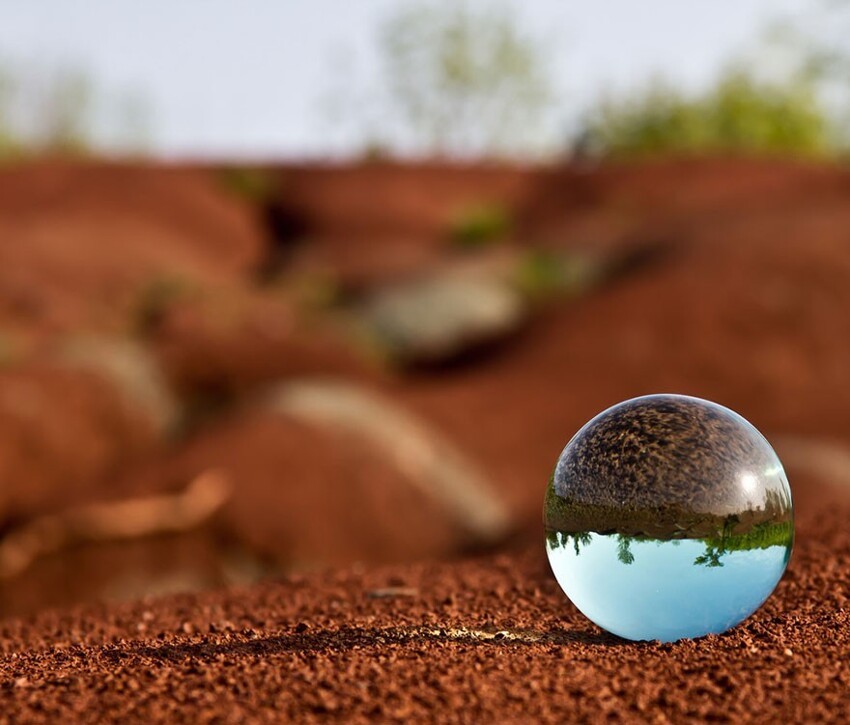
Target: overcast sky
[{"x": 250, "y": 77}]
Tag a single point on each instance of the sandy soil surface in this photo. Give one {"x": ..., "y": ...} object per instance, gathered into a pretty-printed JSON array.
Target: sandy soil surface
[{"x": 489, "y": 638}]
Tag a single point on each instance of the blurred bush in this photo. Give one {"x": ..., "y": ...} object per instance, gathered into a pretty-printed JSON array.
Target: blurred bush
[
  {"x": 739, "y": 115},
  {"x": 9, "y": 146},
  {"x": 60, "y": 112},
  {"x": 466, "y": 80},
  {"x": 44, "y": 112}
]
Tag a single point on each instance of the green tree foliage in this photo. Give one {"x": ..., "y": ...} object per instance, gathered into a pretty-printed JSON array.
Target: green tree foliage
[
  {"x": 624, "y": 550},
  {"x": 465, "y": 82},
  {"x": 65, "y": 112},
  {"x": 45, "y": 110},
  {"x": 8, "y": 143},
  {"x": 711, "y": 557},
  {"x": 739, "y": 115},
  {"x": 814, "y": 45}
]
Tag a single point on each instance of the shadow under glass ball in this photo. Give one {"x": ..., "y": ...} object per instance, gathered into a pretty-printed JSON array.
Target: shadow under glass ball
[{"x": 668, "y": 517}]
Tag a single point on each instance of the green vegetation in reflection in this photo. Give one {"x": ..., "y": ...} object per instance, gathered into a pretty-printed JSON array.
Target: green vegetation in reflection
[
  {"x": 664, "y": 523},
  {"x": 624, "y": 552},
  {"x": 761, "y": 536}
]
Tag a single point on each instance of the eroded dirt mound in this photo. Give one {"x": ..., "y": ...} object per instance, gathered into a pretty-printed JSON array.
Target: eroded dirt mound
[
  {"x": 744, "y": 302},
  {"x": 420, "y": 200},
  {"x": 307, "y": 495},
  {"x": 749, "y": 311},
  {"x": 83, "y": 245},
  {"x": 226, "y": 341},
  {"x": 373, "y": 222},
  {"x": 65, "y": 434}
]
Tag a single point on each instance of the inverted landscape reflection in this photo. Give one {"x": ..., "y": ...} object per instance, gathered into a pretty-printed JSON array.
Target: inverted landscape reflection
[
  {"x": 668, "y": 517},
  {"x": 715, "y": 587}
]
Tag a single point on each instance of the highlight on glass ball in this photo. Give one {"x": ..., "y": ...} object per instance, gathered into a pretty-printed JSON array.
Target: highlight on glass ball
[{"x": 668, "y": 517}]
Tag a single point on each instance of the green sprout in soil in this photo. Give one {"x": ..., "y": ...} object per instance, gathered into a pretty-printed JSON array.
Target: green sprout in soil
[
  {"x": 542, "y": 275},
  {"x": 252, "y": 184},
  {"x": 479, "y": 225}
]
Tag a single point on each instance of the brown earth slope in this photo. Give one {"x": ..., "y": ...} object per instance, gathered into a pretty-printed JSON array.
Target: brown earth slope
[
  {"x": 81, "y": 245},
  {"x": 747, "y": 305}
]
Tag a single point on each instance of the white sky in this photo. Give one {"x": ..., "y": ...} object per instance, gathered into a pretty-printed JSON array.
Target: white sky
[{"x": 247, "y": 77}]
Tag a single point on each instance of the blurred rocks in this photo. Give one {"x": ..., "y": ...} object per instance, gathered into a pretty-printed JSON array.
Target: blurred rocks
[
  {"x": 440, "y": 318},
  {"x": 426, "y": 459},
  {"x": 63, "y": 432},
  {"x": 129, "y": 365}
]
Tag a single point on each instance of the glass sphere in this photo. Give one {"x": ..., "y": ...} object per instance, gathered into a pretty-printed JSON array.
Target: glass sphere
[{"x": 666, "y": 517}]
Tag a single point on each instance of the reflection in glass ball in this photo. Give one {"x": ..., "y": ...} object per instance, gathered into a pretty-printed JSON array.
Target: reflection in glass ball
[{"x": 668, "y": 516}]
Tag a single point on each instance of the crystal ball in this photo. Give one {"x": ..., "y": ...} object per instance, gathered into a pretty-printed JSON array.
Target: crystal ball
[{"x": 668, "y": 517}]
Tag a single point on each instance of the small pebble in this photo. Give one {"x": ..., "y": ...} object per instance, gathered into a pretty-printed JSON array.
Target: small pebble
[{"x": 388, "y": 592}]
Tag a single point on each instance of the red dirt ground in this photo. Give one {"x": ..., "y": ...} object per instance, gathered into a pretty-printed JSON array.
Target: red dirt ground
[
  {"x": 748, "y": 306},
  {"x": 82, "y": 244},
  {"x": 310, "y": 497},
  {"x": 487, "y": 639},
  {"x": 379, "y": 221},
  {"x": 233, "y": 340},
  {"x": 752, "y": 314}
]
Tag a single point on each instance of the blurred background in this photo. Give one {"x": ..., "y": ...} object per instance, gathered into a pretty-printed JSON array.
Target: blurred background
[{"x": 287, "y": 286}]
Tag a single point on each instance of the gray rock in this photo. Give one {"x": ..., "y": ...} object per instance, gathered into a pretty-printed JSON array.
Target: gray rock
[{"x": 437, "y": 319}]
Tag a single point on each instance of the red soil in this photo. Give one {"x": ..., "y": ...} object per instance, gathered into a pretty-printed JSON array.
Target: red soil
[
  {"x": 338, "y": 202},
  {"x": 81, "y": 244},
  {"x": 378, "y": 221},
  {"x": 230, "y": 341},
  {"x": 749, "y": 309},
  {"x": 64, "y": 436},
  {"x": 307, "y": 496},
  {"x": 488, "y": 639},
  {"x": 748, "y": 306}
]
